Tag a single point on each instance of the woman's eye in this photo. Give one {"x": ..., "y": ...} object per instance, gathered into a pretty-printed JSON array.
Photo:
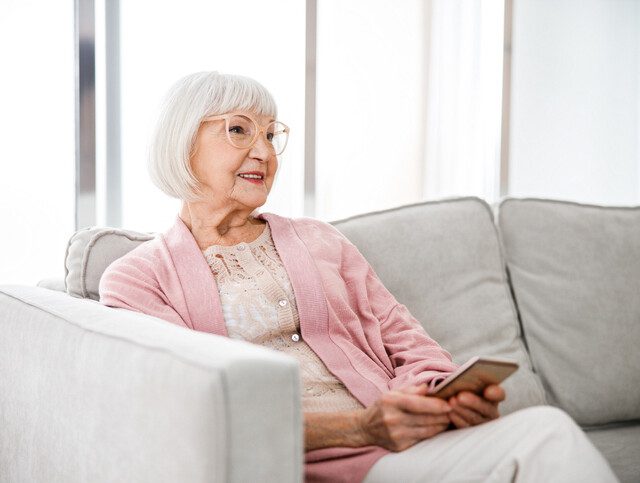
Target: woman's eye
[
  {"x": 270, "y": 136},
  {"x": 236, "y": 130}
]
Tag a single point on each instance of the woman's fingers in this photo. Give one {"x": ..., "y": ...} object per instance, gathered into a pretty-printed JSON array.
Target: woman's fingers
[
  {"x": 470, "y": 409},
  {"x": 468, "y": 400},
  {"x": 402, "y": 417},
  {"x": 458, "y": 420},
  {"x": 419, "y": 420},
  {"x": 419, "y": 404},
  {"x": 472, "y": 417},
  {"x": 494, "y": 393},
  {"x": 419, "y": 389},
  {"x": 426, "y": 416}
]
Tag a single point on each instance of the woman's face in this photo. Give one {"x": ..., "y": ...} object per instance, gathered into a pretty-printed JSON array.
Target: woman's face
[{"x": 217, "y": 165}]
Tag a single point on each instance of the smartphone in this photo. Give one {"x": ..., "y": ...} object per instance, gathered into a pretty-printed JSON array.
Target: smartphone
[{"x": 474, "y": 375}]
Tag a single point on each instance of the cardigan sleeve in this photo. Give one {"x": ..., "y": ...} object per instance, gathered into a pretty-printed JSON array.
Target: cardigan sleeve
[
  {"x": 129, "y": 285},
  {"x": 415, "y": 356}
]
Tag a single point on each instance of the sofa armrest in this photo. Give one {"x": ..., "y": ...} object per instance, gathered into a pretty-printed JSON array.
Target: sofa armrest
[{"x": 93, "y": 393}]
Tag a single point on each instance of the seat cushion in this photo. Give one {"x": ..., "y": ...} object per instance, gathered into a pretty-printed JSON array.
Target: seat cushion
[
  {"x": 442, "y": 260},
  {"x": 90, "y": 251},
  {"x": 575, "y": 271},
  {"x": 620, "y": 445}
]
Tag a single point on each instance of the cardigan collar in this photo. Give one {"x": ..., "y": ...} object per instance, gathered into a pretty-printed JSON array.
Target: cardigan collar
[{"x": 201, "y": 293}]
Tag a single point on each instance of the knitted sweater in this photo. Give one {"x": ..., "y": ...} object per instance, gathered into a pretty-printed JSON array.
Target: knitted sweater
[
  {"x": 259, "y": 306},
  {"x": 358, "y": 329}
]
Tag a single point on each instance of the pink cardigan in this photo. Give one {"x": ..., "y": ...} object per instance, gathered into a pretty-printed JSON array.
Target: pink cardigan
[{"x": 351, "y": 321}]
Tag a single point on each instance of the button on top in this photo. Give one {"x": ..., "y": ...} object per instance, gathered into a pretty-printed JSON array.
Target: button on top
[
  {"x": 295, "y": 337},
  {"x": 282, "y": 302},
  {"x": 241, "y": 247}
]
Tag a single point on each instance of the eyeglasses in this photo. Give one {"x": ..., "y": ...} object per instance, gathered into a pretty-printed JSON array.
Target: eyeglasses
[{"x": 242, "y": 132}]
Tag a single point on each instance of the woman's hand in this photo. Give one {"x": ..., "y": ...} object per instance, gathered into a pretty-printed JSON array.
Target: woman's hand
[
  {"x": 401, "y": 418},
  {"x": 469, "y": 409}
]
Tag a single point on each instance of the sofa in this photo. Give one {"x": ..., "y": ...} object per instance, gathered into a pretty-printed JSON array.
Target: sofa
[{"x": 94, "y": 393}]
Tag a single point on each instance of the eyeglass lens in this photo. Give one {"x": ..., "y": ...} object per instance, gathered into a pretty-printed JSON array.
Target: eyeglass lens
[{"x": 243, "y": 131}]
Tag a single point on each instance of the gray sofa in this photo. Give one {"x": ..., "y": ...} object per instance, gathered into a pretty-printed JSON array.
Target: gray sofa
[{"x": 92, "y": 393}]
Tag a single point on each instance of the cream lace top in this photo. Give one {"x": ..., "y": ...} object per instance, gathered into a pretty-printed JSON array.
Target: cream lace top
[{"x": 259, "y": 306}]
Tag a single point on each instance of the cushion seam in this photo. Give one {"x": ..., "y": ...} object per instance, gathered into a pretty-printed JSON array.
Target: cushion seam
[{"x": 513, "y": 309}]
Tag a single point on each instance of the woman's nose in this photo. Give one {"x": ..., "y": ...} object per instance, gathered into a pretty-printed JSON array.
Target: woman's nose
[{"x": 262, "y": 148}]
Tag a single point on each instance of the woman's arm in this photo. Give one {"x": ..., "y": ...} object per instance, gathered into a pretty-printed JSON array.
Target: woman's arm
[
  {"x": 416, "y": 357},
  {"x": 134, "y": 287},
  {"x": 343, "y": 428},
  {"x": 396, "y": 421}
]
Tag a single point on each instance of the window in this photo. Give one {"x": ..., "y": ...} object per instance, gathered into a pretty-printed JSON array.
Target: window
[
  {"x": 369, "y": 105},
  {"x": 263, "y": 40},
  {"x": 407, "y": 106},
  {"x": 37, "y": 160}
]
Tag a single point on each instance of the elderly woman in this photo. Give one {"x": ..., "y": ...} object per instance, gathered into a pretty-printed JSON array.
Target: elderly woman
[{"x": 300, "y": 287}]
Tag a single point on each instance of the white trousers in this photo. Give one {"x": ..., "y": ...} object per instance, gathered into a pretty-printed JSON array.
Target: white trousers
[{"x": 536, "y": 444}]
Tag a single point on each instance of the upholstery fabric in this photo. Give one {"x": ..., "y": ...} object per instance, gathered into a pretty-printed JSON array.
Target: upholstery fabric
[
  {"x": 89, "y": 253},
  {"x": 575, "y": 271},
  {"x": 620, "y": 445},
  {"x": 443, "y": 261},
  {"x": 91, "y": 393}
]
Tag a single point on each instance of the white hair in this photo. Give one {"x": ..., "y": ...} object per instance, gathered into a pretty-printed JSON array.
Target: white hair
[{"x": 189, "y": 100}]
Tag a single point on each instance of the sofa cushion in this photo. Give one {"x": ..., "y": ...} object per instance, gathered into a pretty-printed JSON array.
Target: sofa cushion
[
  {"x": 575, "y": 271},
  {"x": 442, "y": 260},
  {"x": 90, "y": 251},
  {"x": 620, "y": 445}
]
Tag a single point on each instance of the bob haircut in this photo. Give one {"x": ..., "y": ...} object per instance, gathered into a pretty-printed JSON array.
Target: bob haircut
[{"x": 188, "y": 101}]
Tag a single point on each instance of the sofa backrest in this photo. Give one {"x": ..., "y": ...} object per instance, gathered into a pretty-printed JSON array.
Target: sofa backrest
[
  {"x": 443, "y": 261},
  {"x": 575, "y": 271}
]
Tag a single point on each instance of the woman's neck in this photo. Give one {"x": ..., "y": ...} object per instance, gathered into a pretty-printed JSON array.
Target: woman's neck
[{"x": 220, "y": 227}]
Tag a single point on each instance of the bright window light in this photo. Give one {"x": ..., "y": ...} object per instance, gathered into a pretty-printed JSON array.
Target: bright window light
[
  {"x": 263, "y": 40},
  {"x": 37, "y": 160}
]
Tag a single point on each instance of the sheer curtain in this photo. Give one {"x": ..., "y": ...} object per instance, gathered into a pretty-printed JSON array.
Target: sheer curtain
[
  {"x": 369, "y": 121},
  {"x": 408, "y": 103},
  {"x": 463, "y": 98}
]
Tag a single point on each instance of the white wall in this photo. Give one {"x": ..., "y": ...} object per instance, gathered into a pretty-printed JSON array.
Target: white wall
[{"x": 575, "y": 117}]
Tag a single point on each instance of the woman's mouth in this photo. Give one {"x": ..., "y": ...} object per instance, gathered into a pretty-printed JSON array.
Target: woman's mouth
[{"x": 251, "y": 178}]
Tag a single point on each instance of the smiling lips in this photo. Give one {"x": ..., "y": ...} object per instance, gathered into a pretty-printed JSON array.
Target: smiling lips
[{"x": 254, "y": 177}]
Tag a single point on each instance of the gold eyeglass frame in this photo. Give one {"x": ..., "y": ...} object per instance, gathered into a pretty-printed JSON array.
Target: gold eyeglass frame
[{"x": 258, "y": 130}]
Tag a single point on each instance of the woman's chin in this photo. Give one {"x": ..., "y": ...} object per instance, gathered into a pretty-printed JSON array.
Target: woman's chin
[{"x": 255, "y": 203}]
